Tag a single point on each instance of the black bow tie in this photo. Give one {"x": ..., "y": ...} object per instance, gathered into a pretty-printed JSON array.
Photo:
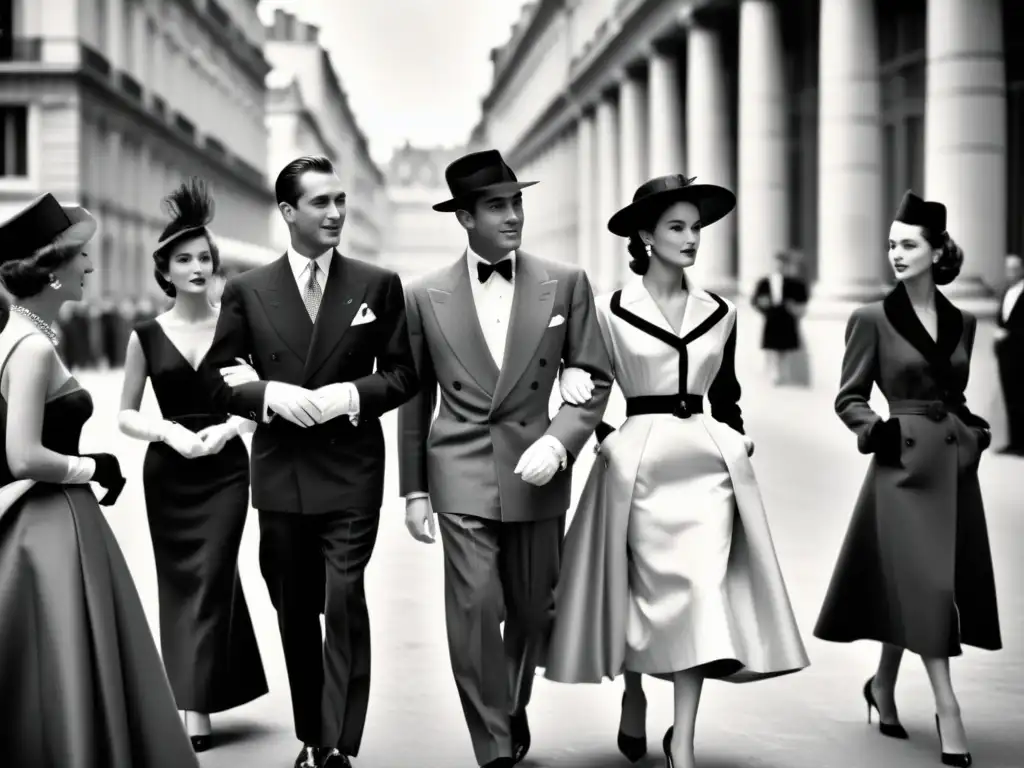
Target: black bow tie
[{"x": 485, "y": 270}]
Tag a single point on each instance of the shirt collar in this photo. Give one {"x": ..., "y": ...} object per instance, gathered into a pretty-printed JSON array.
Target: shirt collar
[
  {"x": 473, "y": 258},
  {"x": 300, "y": 263}
]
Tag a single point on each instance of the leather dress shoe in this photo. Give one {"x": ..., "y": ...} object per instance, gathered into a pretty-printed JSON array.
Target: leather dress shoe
[
  {"x": 500, "y": 762},
  {"x": 520, "y": 729},
  {"x": 308, "y": 758},
  {"x": 332, "y": 758}
]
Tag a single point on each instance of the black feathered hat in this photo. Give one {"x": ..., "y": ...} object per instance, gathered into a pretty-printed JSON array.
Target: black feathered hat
[{"x": 190, "y": 208}]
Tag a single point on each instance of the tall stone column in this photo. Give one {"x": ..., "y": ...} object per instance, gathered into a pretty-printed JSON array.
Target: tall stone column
[
  {"x": 586, "y": 199},
  {"x": 710, "y": 147},
  {"x": 607, "y": 245},
  {"x": 763, "y": 204},
  {"x": 631, "y": 153},
  {"x": 115, "y": 52},
  {"x": 965, "y": 134},
  {"x": 851, "y": 223},
  {"x": 664, "y": 114}
]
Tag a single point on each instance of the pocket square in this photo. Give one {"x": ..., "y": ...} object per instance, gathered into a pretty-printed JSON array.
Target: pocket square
[
  {"x": 364, "y": 315},
  {"x": 556, "y": 321}
]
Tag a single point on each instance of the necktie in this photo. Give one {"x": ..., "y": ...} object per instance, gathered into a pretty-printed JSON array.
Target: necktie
[
  {"x": 312, "y": 295},
  {"x": 485, "y": 270}
]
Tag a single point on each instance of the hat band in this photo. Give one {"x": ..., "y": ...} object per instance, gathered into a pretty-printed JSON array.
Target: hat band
[
  {"x": 178, "y": 235},
  {"x": 485, "y": 177}
]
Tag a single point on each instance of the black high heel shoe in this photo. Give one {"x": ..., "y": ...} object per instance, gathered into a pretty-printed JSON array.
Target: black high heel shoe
[
  {"x": 633, "y": 748},
  {"x": 666, "y": 744},
  {"x": 958, "y": 759},
  {"x": 201, "y": 743},
  {"x": 894, "y": 730}
]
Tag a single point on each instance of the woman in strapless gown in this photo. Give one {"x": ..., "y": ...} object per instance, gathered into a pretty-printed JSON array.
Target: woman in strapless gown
[
  {"x": 81, "y": 681},
  {"x": 196, "y": 480},
  {"x": 668, "y": 567}
]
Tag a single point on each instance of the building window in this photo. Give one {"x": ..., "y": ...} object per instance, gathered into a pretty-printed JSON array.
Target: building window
[{"x": 13, "y": 141}]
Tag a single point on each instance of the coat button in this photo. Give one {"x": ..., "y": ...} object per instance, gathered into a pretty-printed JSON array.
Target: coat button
[
  {"x": 456, "y": 385},
  {"x": 543, "y": 362},
  {"x": 534, "y": 385},
  {"x": 909, "y": 442},
  {"x": 273, "y": 356},
  {"x": 950, "y": 439},
  {"x": 522, "y": 423}
]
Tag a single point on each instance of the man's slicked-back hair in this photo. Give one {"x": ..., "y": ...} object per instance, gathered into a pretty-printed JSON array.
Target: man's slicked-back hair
[{"x": 287, "y": 188}]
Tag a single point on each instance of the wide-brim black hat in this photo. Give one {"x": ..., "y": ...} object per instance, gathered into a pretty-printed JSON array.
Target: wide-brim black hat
[
  {"x": 713, "y": 202},
  {"x": 45, "y": 222},
  {"x": 479, "y": 173}
]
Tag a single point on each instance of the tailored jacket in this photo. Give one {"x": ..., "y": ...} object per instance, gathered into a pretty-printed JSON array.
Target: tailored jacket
[{"x": 487, "y": 417}]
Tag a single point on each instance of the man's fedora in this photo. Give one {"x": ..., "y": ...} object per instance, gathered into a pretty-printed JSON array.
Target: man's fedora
[
  {"x": 479, "y": 173},
  {"x": 42, "y": 222},
  {"x": 713, "y": 202}
]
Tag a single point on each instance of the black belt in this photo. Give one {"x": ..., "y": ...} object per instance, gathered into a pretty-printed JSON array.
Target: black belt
[{"x": 681, "y": 406}]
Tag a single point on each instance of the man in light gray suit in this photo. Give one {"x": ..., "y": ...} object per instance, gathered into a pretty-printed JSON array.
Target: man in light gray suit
[{"x": 489, "y": 334}]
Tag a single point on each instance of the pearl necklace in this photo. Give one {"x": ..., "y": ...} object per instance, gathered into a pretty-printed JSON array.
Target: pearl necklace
[{"x": 38, "y": 322}]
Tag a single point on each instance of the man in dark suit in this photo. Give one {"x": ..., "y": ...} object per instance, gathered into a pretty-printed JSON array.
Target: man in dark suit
[
  {"x": 490, "y": 332},
  {"x": 1010, "y": 353},
  {"x": 312, "y": 325}
]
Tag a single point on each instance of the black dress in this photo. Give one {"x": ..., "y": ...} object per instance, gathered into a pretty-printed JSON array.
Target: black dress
[
  {"x": 781, "y": 327},
  {"x": 197, "y": 510},
  {"x": 81, "y": 681}
]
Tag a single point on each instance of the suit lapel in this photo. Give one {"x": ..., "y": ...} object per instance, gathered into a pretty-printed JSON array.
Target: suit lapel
[
  {"x": 637, "y": 307},
  {"x": 341, "y": 300},
  {"x": 457, "y": 317},
  {"x": 285, "y": 309},
  {"x": 532, "y": 302},
  {"x": 700, "y": 307},
  {"x": 900, "y": 313}
]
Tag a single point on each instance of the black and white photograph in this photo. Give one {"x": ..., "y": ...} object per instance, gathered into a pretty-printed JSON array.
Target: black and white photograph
[{"x": 540, "y": 383}]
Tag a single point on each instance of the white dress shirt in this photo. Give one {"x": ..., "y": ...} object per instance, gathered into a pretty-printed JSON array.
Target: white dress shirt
[
  {"x": 1010, "y": 299},
  {"x": 335, "y": 399},
  {"x": 300, "y": 268},
  {"x": 493, "y": 302},
  {"x": 775, "y": 288}
]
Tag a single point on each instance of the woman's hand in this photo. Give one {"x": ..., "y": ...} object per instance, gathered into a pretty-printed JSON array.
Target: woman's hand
[
  {"x": 243, "y": 373},
  {"x": 575, "y": 386},
  {"x": 184, "y": 441},
  {"x": 215, "y": 437}
]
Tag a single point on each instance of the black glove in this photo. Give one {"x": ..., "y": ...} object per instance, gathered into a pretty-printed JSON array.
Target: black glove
[
  {"x": 108, "y": 475},
  {"x": 984, "y": 439},
  {"x": 885, "y": 442},
  {"x": 602, "y": 431}
]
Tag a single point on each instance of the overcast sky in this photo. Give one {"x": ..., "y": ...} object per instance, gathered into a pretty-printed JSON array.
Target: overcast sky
[{"x": 413, "y": 69}]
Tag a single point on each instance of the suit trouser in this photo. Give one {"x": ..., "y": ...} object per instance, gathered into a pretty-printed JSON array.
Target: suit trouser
[
  {"x": 330, "y": 677},
  {"x": 1010, "y": 360},
  {"x": 495, "y": 570}
]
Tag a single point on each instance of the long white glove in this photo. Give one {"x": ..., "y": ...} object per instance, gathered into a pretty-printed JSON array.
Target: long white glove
[{"x": 150, "y": 429}]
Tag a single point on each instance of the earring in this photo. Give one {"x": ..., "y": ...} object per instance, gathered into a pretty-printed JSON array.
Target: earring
[
  {"x": 647, "y": 247},
  {"x": 55, "y": 283}
]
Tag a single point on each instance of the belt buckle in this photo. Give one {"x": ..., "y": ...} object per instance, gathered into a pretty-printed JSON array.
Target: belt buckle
[
  {"x": 936, "y": 411},
  {"x": 682, "y": 410}
]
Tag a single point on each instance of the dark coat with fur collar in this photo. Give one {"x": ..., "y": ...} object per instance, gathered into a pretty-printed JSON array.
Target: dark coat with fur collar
[{"x": 915, "y": 569}]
